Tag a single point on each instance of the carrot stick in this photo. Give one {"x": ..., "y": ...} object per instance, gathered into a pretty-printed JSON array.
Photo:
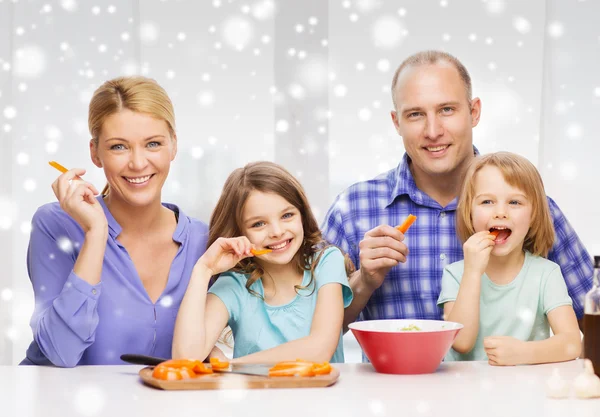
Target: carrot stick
[
  {"x": 58, "y": 166},
  {"x": 258, "y": 252},
  {"x": 407, "y": 223}
]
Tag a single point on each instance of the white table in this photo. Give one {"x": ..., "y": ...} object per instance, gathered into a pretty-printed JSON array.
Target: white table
[{"x": 456, "y": 389}]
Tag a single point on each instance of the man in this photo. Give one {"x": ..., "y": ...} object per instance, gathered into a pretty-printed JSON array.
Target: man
[{"x": 435, "y": 113}]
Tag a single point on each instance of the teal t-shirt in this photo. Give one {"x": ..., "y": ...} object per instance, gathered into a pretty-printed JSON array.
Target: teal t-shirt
[
  {"x": 517, "y": 309},
  {"x": 258, "y": 326}
]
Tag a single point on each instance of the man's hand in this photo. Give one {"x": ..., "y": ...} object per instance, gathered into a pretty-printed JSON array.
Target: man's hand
[{"x": 381, "y": 249}]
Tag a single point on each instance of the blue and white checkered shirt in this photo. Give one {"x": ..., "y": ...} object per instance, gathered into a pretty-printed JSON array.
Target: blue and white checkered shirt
[{"x": 411, "y": 289}]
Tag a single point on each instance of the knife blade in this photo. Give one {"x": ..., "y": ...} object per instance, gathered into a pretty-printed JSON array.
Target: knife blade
[{"x": 137, "y": 359}]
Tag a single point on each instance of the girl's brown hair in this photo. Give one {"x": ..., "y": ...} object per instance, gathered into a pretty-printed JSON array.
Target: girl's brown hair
[
  {"x": 136, "y": 93},
  {"x": 267, "y": 177},
  {"x": 520, "y": 173}
]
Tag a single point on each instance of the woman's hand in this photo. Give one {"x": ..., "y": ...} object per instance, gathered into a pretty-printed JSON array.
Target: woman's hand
[
  {"x": 477, "y": 250},
  {"x": 77, "y": 199},
  {"x": 224, "y": 254}
]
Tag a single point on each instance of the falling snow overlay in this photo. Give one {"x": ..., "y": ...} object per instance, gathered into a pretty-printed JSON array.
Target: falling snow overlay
[{"x": 307, "y": 86}]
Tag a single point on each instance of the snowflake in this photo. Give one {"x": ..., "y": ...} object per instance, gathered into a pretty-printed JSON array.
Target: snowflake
[
  {"x": 89, "y": 400},
  {"x": 238, "y": 32},
  {"x": 387, "y": 32},
  {"x": 364, "y": 114},
  {"x": 30, "y": 62},
  {"x": 206, "y": 98},
  {"x": 65, "y": 244},
  {"x": 383, "y": 65},
  {"x": 340, "y": 90},
  {"x": 197, "y": 152},
  {"x": 69, "y": 5},
  {"x": 282, "y": 126},
  {"x": 522, "y": 25},
  {"x": 556, "y": 29}
]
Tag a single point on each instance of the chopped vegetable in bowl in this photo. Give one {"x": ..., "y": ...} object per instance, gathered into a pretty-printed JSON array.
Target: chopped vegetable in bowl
[{"x": 411, "y": 328}]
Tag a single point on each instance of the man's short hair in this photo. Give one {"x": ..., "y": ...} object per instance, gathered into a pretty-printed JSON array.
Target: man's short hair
[{"x": 430, "y": 58}]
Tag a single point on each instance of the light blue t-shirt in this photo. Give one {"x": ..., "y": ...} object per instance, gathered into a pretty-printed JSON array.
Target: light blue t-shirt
[
  {"x": 518, "y": 309},
  {"x": 257, "y": 326}
]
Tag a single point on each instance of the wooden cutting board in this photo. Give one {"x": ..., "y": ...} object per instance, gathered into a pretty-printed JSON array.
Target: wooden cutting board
[{"x": 237, "y": 381}]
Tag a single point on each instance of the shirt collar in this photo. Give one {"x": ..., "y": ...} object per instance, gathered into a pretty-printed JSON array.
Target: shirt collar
[
  {"x": 114, "y": 228},
  {"x": 403, "y": 183}
]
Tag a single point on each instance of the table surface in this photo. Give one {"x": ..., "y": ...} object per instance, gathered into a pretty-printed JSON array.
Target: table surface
[{"x": 455, "y": 389}]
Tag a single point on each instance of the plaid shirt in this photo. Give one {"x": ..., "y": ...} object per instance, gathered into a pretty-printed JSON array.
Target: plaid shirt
[{"x": 411, "y": 289}]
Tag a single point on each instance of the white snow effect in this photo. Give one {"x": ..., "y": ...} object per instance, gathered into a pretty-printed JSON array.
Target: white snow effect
[
  {"x": 149, "y": 32},
  {"x": 597, "y": 92},
  {"x": 89, "y": 400},
  {"x": 166, "y": 301},
  {"x": 30, "y": 61},
  {"x": 8, "y": 213},
  {"x": 125, "y": 36},
  {"x": 377, "y": 408},
  {"x": 556, "y": 30},
  {"x": 495, "y": 6},
  {"x": 10, "y": 112},
  {"x": 522, "y": 25},
  {"x": 65, "y": 244},
  {"x": 69, "y": 5},
  {"x": 282, "y": 126},
  {"x": 29, "y": 185},
  {"x": 26, "y": 227},
  {"x": 6, "y": 294},
  {"x": 366, "y": 6},
  {"x": 111, "y": 9},
  {"x": 574, "y": 131},
  {"x": 206, "y": 98},
  {"x": 212, "y": 140},
  {"x": 181, "y": 36},
  {"x": 296, "y": 91},
  {"x": 388, "y": 32},
  {"x": 383, "y": 65},
  {"x": 340, "y": 90},
  {"x": 364, "y": 114},
  {"x": 52, "y": 132},
  {"x": 237, "y": 32},
  {"x": 197, "y": 152},
  {"x": 22, "y": 158},
  {"x": 313, "y": 74}
]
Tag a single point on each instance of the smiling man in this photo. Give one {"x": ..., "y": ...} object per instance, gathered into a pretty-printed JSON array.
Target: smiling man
[{"x": 435, "y": 114}]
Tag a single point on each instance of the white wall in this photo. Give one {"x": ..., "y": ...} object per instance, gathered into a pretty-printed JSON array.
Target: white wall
[{"x": 248, "y": 83}]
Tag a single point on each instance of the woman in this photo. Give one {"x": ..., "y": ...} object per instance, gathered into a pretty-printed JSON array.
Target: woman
[{"x": 109, "y": 272}]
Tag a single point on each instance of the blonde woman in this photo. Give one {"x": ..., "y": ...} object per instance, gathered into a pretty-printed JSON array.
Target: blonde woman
[{"x": 116, "y": 285}]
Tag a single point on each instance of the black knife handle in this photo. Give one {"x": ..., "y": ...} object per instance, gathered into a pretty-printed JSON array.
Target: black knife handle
[{"x": 141, "y": 359}]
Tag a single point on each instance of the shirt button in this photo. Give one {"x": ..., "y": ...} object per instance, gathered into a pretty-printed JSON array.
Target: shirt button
[
  {"x": 443, "y": 214},
  {"x": 94, "y": 291},
  {"x": 443, "y": 256}
]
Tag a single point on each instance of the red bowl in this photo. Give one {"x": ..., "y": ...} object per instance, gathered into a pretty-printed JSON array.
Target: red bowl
[{"x": 392, "y": 350}]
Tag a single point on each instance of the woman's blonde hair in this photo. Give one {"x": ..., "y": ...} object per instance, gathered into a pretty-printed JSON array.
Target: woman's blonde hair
[
  {"x": 520, "y": 173},
  {"x": 267, "y": 177},
  {"x": 138, "y": 94}
]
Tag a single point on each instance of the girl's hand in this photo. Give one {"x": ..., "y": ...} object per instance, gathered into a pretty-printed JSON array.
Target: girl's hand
[
  {"x": 504, "y": 350},
  {"x": 477, "y": 250},
  {"x": 77, "y": 199},
  {"x": 224, "y": 254}
]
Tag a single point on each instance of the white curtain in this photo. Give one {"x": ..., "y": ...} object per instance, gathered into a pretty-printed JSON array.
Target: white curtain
[{"x": 305, "y": 84}]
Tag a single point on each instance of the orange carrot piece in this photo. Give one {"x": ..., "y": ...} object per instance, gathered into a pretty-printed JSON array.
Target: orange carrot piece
[
  {"x": 58, "y": 166},
  {"x": 407, "y": 223},
  {"x": 258, "y": 252}
]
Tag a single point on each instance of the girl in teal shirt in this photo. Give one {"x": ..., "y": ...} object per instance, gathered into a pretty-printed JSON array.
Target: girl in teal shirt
[
  {"x": 505, "y": 292},
  {"x": 281, "y": 305}
]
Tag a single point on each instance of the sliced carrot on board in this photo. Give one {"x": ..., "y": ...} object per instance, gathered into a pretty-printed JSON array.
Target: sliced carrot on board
[
  {"x": 300, "y": 368},
  {"x": 215, "y": 363},
  {"x": 407, "y": 223}
]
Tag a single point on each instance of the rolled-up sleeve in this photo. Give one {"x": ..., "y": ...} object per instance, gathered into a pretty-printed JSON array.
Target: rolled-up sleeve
[{"x": 65, "y": 317}]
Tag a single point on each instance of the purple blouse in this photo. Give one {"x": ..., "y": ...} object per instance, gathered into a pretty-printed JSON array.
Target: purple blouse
[{"x": 75, "y": 323}]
